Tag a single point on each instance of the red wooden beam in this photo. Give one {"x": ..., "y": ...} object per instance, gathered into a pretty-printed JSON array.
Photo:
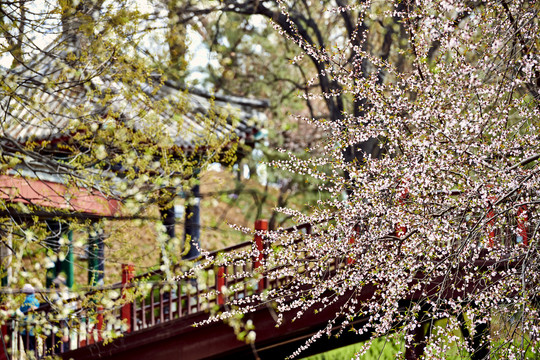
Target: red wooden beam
[{"x": 55, "y": 195}]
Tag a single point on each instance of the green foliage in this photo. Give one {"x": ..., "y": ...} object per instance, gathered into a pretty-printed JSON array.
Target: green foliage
[
  {"x": 380, "y": 349},
  {"x": 91, "y": 130}
]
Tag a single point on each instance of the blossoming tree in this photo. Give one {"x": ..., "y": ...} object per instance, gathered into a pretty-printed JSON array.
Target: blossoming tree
[{"x": 440, "y": 222}]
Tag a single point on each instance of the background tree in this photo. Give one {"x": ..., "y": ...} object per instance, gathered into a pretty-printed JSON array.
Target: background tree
[{"x": 251, "y": 59}]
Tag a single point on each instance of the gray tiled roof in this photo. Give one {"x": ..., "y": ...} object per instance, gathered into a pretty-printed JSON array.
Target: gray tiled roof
[{"x": 32, "y": 108}]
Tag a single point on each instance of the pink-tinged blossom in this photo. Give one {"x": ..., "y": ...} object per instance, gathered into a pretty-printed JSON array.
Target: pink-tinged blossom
[{"x": 459, "y": 129}]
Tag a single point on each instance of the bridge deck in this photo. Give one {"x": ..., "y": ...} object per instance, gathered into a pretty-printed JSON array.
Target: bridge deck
[{"x": 159, "y": 324}]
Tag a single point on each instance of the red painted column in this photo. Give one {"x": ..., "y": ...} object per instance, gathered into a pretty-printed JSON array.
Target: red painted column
[
  {"x": 401, "y": 229},
  {"x": 4, "y": 346},
  {"x": 128, "y": 271},
  {"x": 99, "y": 325},
  {"x": 260, "y": 225},
  {"x": 352, "y": 239},
  {"x": 220, "y": 283},
  {"x": 522, "y": 218},
  {"x": 491, "y": 222}
]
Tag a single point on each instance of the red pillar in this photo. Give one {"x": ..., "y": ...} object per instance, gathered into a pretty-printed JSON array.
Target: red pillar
[
  {"x": 522, "y": 218},
  {"x": 400, "y": 228},
  {"x": 491, "y": 223},
  {"x": 260, "y": 225},
  {"x": 4, "y": 346},
  {"x": 99, "y": 325},
  {"x": 220, "y": 283},
  {"x": 352, "y": 239},
  {"x": 126, "y": 312}
]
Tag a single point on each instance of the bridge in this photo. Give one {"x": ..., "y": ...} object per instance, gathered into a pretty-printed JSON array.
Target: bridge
[{"x": 160, "y": 324}]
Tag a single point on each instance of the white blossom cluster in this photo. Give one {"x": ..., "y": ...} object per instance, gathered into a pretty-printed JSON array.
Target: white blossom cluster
[{"x": 432, "y": 228}]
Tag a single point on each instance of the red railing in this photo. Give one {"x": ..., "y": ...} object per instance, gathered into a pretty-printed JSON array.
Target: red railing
[
  {"x": 153, "y": 300},
  {"x": 149, "y": 300}
]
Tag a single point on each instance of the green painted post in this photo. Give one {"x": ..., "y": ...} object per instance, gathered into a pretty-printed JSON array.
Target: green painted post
[
  {"x": 67, "y": 264},
  {"x": 4, "y": 272},
  {"x": 96, "y": 268},
  {"x": 92, "y": 260},
  {"x": 50, "y": 276},
  {"x": 57, "y": 230},
  {"x": 52, "y": 243},
  {"x": 5, "y": 254}
]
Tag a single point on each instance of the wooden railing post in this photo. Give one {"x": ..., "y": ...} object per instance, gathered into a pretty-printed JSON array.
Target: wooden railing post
[
  {"x": 126, "y": 312},
  {"x": 491, "y": 222},
  {"x": 352, "y": 240},
  {"x": 4, "y": 355},
  {"x": 522, "y": 219},
  {"x": 220, "y": 283},
  {"x": 99, "y": 325},
  {"x": 400, "y": 228},
  {"x": 260, "y": 225}
]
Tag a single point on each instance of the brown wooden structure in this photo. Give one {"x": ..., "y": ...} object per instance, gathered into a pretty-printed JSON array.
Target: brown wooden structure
[{"x": 159, "y": 325}]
